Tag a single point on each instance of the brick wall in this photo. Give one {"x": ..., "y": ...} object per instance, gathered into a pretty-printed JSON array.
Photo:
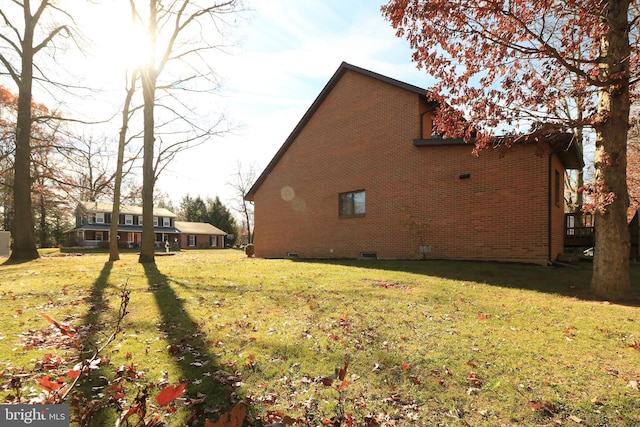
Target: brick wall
[{"x": 361, "y": 138}]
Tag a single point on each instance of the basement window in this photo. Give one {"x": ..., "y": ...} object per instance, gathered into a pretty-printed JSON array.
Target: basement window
[
  {"x": 368, "y": 255},
  {"x": 352, "y": 203}
]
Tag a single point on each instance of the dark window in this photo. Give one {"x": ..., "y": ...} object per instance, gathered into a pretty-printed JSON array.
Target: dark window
[{"x": 352, "y": 203}]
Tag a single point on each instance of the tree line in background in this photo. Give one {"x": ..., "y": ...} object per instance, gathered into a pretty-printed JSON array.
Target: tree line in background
[
  {"x": 67, "y": 169},
  {"x": 162, "y": 113}
]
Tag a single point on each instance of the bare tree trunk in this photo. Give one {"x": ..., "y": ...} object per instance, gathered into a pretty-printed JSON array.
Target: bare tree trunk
[
  {"x": 149, "y": 77},
  {"x": 611, "y": 261},
  {"x": 114, "y": 252},
  {"x": 24, "y": 242}
]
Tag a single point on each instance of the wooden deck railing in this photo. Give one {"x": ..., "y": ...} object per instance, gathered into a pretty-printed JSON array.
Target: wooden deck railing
[{"x": 579, "y": 229}]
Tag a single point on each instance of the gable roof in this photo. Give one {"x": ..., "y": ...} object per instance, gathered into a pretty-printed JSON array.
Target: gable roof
[
  {"x": 124, "y": 209},
  {"x": 198, "y": 228},
  {"x": 562, "y": 143},
  {"x": 344, "y": 67}
]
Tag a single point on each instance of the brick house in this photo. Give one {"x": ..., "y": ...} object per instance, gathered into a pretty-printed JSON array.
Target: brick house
[
  {"x": 361, "y": 175},
  {"x": 200, "y": 235},
  {"x": 93, "y": 224}
]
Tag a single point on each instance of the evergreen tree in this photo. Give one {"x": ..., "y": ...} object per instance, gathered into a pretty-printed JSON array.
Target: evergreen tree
[{"x": 219, "y": 216}]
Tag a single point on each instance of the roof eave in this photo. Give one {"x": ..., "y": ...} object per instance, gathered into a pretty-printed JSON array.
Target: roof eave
[{"x": 344, "y": 67}]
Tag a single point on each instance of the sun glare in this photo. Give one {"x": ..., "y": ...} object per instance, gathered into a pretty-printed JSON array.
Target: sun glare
[{"x": 120, "y": 44}]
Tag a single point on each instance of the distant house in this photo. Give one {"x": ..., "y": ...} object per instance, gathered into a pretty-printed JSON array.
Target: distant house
[
  {"x": 363, "y": 175},
  {"x": 93, "y": 223},
  {"x": 200, "y": 235}
]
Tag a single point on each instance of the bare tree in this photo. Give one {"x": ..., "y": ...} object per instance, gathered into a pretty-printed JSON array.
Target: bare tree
[
  {"x": 241, "y": 183},
  {"x": 23, "y": 40},
  {"x": 114, "y": 253},
  {"x": 179, "y": 32}
]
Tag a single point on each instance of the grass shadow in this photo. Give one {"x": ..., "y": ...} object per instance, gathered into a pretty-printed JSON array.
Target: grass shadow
[
  {"x": 97, "y": 301},
  {"x": 92, "y": 329},
  {"x": 568, "y": 282},
  {"x": 188, "y": 347}
]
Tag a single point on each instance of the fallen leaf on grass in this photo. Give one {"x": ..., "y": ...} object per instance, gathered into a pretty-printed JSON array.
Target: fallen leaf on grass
[
  {"x": 233, "y": 418},
  {"x": 49, "y": 385},
  {"x": 575, "y": 419},
  {"x": 546, "y": 407},
  {"x": 168, "y": 394}
]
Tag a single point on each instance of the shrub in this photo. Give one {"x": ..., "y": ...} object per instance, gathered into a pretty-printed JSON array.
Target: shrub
[{"x": 250, "y": 250}]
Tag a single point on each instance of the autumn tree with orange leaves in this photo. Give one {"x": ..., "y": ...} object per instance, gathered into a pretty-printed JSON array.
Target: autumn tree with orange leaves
[
  {"x": 49, "y": 188},
  {"x": 509, "y": 63},
  {"x": 29, "y": 30}
]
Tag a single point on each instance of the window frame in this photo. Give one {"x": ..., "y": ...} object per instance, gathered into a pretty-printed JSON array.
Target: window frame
[
  {"x": 166, "y": 221},
  {"x": 128, "y": 219},
  {"x": 345, "y": 211},
  {"x": 191, "y": 240}
]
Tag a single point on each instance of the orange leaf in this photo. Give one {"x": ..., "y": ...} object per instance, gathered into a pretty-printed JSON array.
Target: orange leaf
[
  {"x": 233, "y": 418},
  {"x": 130, "y": 412},
  {"x": 73, "y": 374},
  {"x": 49, "y": 385},
  {"x": 343, "y": 372},
  {"x": 406, "y": 366},
  {"x": 169, "y": 393}
]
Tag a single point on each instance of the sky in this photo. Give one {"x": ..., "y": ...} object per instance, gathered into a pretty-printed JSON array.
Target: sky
[
  {"x": 287, "y": 52},
  {"x": 284, "y": 53}
]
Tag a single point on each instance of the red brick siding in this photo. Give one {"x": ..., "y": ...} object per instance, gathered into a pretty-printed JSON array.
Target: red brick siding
[{"x": 361, "y": 138}]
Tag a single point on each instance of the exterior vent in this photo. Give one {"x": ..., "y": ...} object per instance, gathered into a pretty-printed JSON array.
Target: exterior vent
[
  {"x": 292, "y": 255},
  {"x": 368, "y": 255}
]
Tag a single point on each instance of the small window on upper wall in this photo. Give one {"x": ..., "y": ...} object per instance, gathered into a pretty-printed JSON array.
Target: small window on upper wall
[
  {"x": 166, "y": 222},
  {"x": 352, "y": 203}
]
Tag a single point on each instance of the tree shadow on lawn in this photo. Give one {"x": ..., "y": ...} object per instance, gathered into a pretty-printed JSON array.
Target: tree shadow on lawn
[
  {"x": 569, "y": 282},
  {"x": 93, "y": 329},
  {"x": 205, "y": 381}
]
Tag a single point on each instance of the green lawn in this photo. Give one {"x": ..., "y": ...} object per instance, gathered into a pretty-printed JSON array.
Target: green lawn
[{"x": 431, "y": 343}]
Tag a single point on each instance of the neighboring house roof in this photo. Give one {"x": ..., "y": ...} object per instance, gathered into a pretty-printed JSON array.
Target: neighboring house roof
[
  {"x": 124, "y": 209},
  {"x": 561, "y": 142},
  {"x": 198, "y": 228}
]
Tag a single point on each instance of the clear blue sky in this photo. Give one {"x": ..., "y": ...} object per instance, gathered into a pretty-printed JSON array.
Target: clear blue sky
[{"x": 288, "y": 50}]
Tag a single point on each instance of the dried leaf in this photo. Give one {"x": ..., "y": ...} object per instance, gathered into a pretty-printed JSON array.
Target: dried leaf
[
  {"x": 49, "y": 385},
  {"x": 169, "y": 394},
  {"x": 233, "y": 418},
  {"x": 343, "y": 371},
  {"x": 73, "y": 373}
]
